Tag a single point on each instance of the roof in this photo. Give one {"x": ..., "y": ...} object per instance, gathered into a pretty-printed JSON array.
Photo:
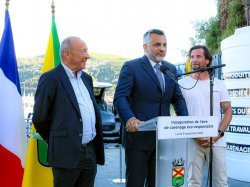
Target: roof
[{"x": 102, "y": 85}]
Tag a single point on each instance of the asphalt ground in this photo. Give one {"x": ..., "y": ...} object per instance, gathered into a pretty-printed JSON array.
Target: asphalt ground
[{"x": 111, "y": 170}]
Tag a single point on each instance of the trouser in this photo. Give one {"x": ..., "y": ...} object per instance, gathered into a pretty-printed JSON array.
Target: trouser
[
  {"x": 81, "y": 176},
  {"x": 198, "y": 157},
  {"x": 140, "y": 168}
]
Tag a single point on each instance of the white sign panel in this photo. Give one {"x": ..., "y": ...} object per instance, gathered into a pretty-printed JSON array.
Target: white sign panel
[{"x": 187, "y": 127}]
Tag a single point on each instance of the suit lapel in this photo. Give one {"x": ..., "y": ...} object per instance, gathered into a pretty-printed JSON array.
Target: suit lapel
[
  {"x": 149, "y": 70},
  {"x": 68, "y": 87},
  {"x": 168, "y": 80},
  {"x": 89, "y": 87}
]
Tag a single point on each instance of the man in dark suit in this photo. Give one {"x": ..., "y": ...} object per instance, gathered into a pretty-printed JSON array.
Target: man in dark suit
[
  {"x": 67, "y": 117},
  {"x": 141, "y": 94}
]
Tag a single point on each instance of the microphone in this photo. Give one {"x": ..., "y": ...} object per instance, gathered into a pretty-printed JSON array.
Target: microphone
[
  {"x": 211, "y": 68},
  {"x": 165, "y": 70}
]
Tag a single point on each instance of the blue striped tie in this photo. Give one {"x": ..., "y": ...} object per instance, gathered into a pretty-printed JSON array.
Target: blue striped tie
[{"x": 159, "y": 76}]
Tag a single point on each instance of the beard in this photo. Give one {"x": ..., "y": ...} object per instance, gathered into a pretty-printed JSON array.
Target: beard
[
  {"x": 195, "y": 67},
  {"x": 159, "y": 59},
  {"x": 156, "y": 58}
]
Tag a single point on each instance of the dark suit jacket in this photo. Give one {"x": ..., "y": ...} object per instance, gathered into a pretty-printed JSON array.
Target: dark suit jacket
[
  {"x": 138, "y": 94},
  {"x": 58, "y": 120}
]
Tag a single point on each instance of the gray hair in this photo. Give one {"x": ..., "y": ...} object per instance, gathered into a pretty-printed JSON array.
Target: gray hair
[
  {"x": 66, "y": 44},
  {"x": 146, "y": 36}
]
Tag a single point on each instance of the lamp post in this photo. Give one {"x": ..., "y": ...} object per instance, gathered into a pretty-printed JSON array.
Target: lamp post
[{"x": 247, "y": 5}]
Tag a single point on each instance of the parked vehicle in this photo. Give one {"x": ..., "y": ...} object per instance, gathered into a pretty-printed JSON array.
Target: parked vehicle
[{"x": 110, "y": 126}]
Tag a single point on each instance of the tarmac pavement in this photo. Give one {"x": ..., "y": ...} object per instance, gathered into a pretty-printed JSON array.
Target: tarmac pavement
[{"x": 111, "y": 170}]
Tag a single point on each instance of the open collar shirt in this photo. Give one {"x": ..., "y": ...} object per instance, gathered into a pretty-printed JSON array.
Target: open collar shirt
[{"x": 85, "y": 105}]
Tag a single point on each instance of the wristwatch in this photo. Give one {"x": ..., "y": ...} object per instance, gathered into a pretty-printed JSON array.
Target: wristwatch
[{"x": 221, "y": 133}]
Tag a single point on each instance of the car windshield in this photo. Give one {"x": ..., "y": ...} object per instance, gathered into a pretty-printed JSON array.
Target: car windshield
[{"x": 99, "y": 90}]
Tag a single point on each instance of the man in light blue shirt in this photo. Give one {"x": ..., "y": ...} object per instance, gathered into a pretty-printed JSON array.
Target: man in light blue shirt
[
  {"x": 67, "y": 117},
  {"x": 85, "y": 104}
]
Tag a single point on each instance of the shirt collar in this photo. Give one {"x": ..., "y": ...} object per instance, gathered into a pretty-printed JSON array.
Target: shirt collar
[
  {"x": 70, "y": 73},
  {"x": 153, "y": 63}
]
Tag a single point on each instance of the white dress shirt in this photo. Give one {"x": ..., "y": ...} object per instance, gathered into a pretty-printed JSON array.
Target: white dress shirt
[{"x": 85, "y": 104}]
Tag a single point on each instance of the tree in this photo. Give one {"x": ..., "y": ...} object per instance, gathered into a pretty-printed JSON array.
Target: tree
[{"x": 211, "y": 32}]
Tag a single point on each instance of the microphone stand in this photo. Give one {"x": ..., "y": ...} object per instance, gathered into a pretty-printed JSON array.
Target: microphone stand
[
  {"x": 211, "y": 78},
  {"x": 187, "y": 73},
  {"x": 210, "y": 71}
]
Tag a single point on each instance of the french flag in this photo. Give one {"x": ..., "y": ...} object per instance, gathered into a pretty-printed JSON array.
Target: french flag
[{"x": 13, "y": 141}]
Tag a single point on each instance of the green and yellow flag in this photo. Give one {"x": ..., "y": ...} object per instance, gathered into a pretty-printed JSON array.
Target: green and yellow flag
[
  {"x": 36, "y": 173},
  {"x": 52, "y": 57}
]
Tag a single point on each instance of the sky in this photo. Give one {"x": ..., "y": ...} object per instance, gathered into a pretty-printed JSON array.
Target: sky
[{"x": 107, "y": 26}]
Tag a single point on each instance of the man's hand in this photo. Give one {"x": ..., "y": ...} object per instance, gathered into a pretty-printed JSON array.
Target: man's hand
[
  {"x": 215, "y": 139},
  {"x": 132, "y": 125},
  {"x": 204, "y": 142}
]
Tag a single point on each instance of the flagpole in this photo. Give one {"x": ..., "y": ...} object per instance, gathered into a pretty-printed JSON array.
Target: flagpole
[
  {"x": 7, "y": 4},
  {"x": 53, "y": 8}
]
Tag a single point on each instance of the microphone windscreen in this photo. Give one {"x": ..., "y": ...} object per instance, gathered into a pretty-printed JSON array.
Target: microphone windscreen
[{"x": 164, "y": 68}]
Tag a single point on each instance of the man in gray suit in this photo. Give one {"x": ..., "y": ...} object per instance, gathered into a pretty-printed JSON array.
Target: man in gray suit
[{"x": 67, "y": 117}]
